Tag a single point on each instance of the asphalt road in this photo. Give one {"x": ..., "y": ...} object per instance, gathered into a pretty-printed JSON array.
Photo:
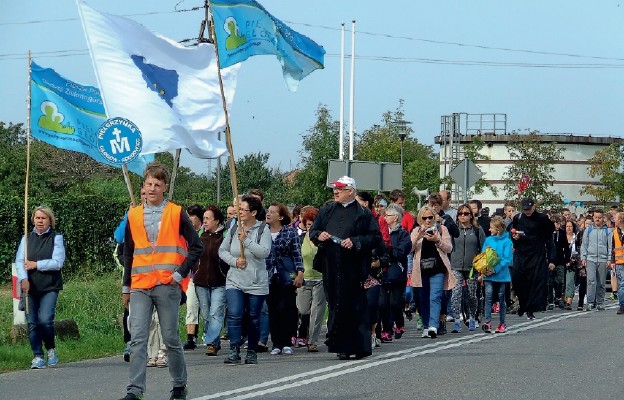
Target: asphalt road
[{"x": 559, "y": 355}]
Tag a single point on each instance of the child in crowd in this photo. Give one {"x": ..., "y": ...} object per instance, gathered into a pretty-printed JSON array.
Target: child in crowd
[{"x": 495, "y": 280}]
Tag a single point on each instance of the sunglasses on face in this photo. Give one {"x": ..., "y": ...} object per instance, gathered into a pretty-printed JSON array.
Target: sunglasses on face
[
  {"x": 464, "y": 213},
  {"x": 429, "y": 217}
]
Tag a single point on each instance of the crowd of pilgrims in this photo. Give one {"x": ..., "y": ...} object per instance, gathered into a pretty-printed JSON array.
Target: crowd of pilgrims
[{"x": 283, "y": 293}]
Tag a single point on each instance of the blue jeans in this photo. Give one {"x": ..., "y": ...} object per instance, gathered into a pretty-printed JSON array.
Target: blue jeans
[
  {"x": 489, "y": 297},
  {"x": 40, "y": 320},
  {"x": 431, "y": 300},
  {"x": 212, "y": 309},
  {"x": 619, "y": 275},
  {"x": 265, "y": 327},
  {"x": 236, "y": 302}
]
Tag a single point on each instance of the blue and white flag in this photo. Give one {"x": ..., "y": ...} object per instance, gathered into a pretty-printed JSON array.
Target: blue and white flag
[
  {"x": 244, "y": 29},
  {"x": 170, "y": 92},
  {"x": 67, "y": 115}
]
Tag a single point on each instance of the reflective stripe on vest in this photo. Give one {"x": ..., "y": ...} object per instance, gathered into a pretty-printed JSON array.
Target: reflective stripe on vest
[
  {"x": 619, "y": 248},
  {"x": 155, "y": 264}
]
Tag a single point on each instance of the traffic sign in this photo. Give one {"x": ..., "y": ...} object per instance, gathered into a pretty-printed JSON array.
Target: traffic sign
[{"x": 466, "y": 174}]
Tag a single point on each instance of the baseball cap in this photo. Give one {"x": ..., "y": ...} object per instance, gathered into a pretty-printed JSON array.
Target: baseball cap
[
  {"x": 344, "y": 181},
  {"x": 485, "y": 211},
  {"x": 527, "y": 203}
]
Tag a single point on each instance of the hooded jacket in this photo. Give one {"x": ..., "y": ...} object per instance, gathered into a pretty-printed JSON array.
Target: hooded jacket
[{"x": 503, "y": 246}]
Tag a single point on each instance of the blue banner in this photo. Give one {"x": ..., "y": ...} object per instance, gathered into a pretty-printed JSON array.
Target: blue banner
[
  {"x": 244, "y": 29},
  {"x": 67, "y": 115}
]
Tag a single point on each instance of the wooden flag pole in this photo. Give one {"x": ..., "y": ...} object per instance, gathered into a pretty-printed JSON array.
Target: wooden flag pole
[
  {"x": 174, "y": 173},
  {"x": 126, "y": 175},
  {"x": 228, "y": 134},
  {"x": 29, "y": 107}
]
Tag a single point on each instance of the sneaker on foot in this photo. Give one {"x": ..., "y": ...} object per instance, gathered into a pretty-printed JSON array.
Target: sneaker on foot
[
  {"x": 127, "y": 352},
  {"x": 487, "y": 327},
  {"x": 189, "y": 345},
  {"x": 302, "y": 342},
  {"x": 151, "y": 362},
  {"x": 561, "y": 305},
  {"x": 312, "y": 348},
  {"x": 287, "y": 351},
  {"x": 472, "y": 324},
  {"x": 456, "y": 327},
  {"x": 386, "y": 337},
  {"x": 37, "y": 363},
  {"x": 433, "y": 332},
  {"x": 262, "y": 348},
  {"x": 52, "y": 358},
  {"x": 502, "y": 328},
  {"x": 211, "y": 350},
  {"x": 276, "y": 351},
  {"x": 530, "y": 316},
  {"x": 551, "y": 306},
  {"x": 425, "y": 333},
  {"x": 233, "y": 358},
  {"x": 600, "y": 308},
  {"x": 419, "y": 323},
  {"x": 568, "y": 307},
  {"x": 251, "y": 357},
  {"x": 449, "y": 318},
  {"x": 442, "y": 328},
  {"x": 161, "y": 362},
  {"x": 496, "y": 308},
  {"x": 620, "y": 310},
  {"x": 178, "y": 393},
  {"x": 398, "y": 333}
]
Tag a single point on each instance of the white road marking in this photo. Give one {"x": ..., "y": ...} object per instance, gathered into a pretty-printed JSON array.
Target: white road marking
[{"x": 343, "y": 368}]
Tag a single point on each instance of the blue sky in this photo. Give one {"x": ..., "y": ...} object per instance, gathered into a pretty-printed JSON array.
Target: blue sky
[{"x": 439, "y": 57}]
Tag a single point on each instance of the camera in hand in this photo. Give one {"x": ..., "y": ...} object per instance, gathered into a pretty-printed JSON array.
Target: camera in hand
[{"x": 430, "y": 231}]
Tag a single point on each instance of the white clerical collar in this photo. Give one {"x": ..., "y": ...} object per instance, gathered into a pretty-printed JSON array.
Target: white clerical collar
[{"x": 347, "y": 203}]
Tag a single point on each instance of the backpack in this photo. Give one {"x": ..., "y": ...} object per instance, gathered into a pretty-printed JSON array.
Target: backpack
[
  {"x": 258, "y": 236},
  {"x": 485, "y": 261}
]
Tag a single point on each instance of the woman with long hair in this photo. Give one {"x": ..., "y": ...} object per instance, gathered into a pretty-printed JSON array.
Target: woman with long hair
[{"x": 467, "y": 246}]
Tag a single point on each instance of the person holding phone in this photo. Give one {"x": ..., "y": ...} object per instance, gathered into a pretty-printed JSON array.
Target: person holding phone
[{"x": 432, "y": 269}]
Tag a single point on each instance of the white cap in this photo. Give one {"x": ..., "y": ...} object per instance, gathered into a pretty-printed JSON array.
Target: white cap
[{"x": 344, "y": 181}]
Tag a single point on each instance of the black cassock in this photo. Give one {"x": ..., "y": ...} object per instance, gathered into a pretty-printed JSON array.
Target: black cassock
[
  {"x": 344, "y": 271},
  {"x": 531, "y": 257}
]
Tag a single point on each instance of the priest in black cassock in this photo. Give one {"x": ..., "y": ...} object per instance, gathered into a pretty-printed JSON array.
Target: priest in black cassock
[
  {"x": 345, "y": 234},
  {"x": 531, "y": 233}
]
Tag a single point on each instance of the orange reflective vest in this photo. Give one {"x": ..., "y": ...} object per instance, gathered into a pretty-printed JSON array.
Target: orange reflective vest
[
  {"x": 156, "y": 264},
  {"x": 618, "y": 249}
]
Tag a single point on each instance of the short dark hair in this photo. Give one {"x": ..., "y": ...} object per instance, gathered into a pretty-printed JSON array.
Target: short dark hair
[
  {"x": 477, "y": 202},
  {"x": 218, "y": 215},
  {"x": 367, "y": 198},
  {"x": 297, "y": 210},
  {"x": 257, "y": 192},
  {"x": 253, "y": 203},
  {"x": 435, "y": 198},
  {"x": 396, "y": 194},
  {"x": 156, "y": 170},
  {"x": 195, "y": 210}
]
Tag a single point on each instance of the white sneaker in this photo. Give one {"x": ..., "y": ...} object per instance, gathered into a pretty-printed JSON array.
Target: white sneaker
[
  {"x": 433, "y": 332},
  {"x": 425, "y": 333},
  {"x": 287, "y": 351},
  {"x": 449, "y": 318},
  {"x": 275, "y": 351},
  {"x": 377, "y": 342},
  {"x": 373, "y": 341}
]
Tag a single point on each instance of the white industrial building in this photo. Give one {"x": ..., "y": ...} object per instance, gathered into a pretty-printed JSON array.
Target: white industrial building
[{"x": 570, "y": 174}]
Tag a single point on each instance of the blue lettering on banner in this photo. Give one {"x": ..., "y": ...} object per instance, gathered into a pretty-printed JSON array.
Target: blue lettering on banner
[{"x": 119, "y": 140}]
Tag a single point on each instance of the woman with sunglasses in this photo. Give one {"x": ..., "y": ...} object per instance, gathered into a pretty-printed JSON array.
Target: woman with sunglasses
[
  {"x": 467, "y": 246},
  {"x": 431, "y": 273}
]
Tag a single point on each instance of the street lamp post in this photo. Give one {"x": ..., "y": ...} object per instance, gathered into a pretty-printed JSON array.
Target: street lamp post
[{"x": 402, "y": 126}]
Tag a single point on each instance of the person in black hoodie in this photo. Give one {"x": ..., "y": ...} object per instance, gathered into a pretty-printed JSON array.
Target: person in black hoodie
[{"x": 556, "y": 272}]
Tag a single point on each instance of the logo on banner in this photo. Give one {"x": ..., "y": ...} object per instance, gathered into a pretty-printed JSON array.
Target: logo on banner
[{"x": 119, "y": 140}]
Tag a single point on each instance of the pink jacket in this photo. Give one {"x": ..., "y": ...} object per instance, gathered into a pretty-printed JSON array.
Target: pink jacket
[{"x": 444, "y": 247}]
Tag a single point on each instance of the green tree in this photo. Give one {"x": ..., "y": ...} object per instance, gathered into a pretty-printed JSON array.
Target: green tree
[
  {"x": 530, "y": 156},
  {"x": 607, "y": 164},
  {"x": 382, "y": 143},
  {"x": 320, "y": 144}
]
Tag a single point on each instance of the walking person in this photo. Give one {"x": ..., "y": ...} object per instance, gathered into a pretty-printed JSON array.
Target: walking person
[
  {"x": 159, "y": 233},
  {"x": 345, "y": 233},
  {"x": 467, "y": 246},
  {"x": 496, "y": 279},
  {"x": 432, "y": 269},
  {"x": 209, "y": 279},
  {"x": 531, "y": 233},
  {"x": 556, "y": 271},
  {"x": 617, "y": 258},
  {"x": 247, "y": 281},
  {"x": 596, "y": 251},
  {"x": 38, "y": 262},
  {"x": 285, "y": 267},
  {"x": 394, "y": 277},
  {"x": 571, "y": 259}
]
